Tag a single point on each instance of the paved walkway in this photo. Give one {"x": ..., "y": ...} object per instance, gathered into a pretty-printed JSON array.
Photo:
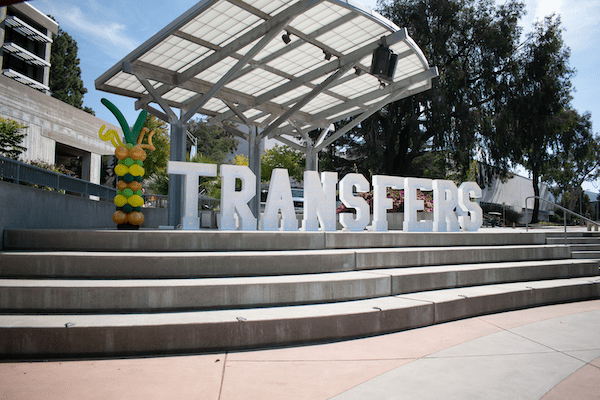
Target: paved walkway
[{"x": 545, "y": 353}]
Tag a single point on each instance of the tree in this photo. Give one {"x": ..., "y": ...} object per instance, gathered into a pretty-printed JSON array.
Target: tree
[
  {"x": 574, "y": 159},
  {"x": 282, "y": 157},
  {"x": 214, "y": 143},
  {"x": 540, "y": 93},
  {"x": 472, "y": 43},
  {"x": 11, "y": 138},
  {"x": 65, "y": 73},
  {"x": 156, "y": 160}
]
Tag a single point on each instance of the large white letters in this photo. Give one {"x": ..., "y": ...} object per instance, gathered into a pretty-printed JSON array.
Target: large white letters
[
  {"x": 192, "y": 172},
  {"x": 381, "y": 203},
  {"x": 347, "y": 197},
  {"x": 280, "y": 198},
  {"x": 471, "y": 216},
  {"x": 320, "y": 201},
  {"x": 412, "y": 205},
  {"x": 233, "y": 201},
  {"x": 445, "y": 198}
]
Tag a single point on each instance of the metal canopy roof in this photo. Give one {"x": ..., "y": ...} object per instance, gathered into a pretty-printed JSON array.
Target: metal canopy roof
[
  {"x": 231, "y": 60},
  {"x": 226, "y": 59}
]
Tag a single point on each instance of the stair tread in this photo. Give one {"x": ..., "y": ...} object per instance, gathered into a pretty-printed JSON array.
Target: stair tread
[
  {"x": 284, "y": 313},
  {"x": 322, "y": 277}
]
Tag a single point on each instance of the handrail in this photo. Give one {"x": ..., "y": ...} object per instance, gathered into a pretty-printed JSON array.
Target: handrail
[
  {"x": 20, "y": 172},
  {"x": 559, "y": 207}
]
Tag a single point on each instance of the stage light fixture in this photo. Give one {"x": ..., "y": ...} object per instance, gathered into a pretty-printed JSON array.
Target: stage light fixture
[
  {"x": 358, "y": 71},
  {"x": 286, "y": 38},
  {"x": 327, "y": 55}
]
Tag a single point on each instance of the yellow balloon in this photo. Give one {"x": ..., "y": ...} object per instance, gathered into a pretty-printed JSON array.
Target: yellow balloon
[
  {"x": 121, "y": 170},
  {"x": 135, "y": 201},
  {"x": 136, "y": 170},
  {"x": 120, "y": 200}
]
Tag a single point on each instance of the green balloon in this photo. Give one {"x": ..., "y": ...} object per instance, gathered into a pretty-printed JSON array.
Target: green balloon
[
  {"x": 128, "y": 162},
  {"x": 127, "y": 192}
]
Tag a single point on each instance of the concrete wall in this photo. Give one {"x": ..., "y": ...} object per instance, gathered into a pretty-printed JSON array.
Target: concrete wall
[
  {"x": 24, "y": 207},
  {"x": 513, "y": 193},
  {"x": 49, "y": 121}
]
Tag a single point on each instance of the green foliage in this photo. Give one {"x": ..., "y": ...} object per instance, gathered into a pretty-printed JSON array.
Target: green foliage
[
  {"x": 472, "y": 43},
  {"x": 214, "y": 143},
  {"x": 11, "y": 138},
  {"x": 156, "y": 161},
  {"x": 65, "y": 73},
  {"x": 241, "y": 159},
  {"x": 397, "y": 197},
  {"x": 540, "y": 93},
  {"x": 574, "y": 158},
  {"x": 158, "y": 183},
  {"x": 60, "y": 169},
  {"x": 282, "y": 157}
]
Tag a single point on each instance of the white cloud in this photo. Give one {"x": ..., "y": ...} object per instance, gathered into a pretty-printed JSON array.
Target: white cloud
[
  {"x": 110, "y": 36},
  {"x": 547, "y": 7},
  {"x": 579, "y": 19}
]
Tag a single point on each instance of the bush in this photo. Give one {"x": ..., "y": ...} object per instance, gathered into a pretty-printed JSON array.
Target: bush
[
  {"x": 397, "y": 197},
  {"x": 11, "y": 138}
]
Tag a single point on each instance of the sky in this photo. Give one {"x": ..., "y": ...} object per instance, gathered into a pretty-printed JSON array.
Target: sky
[{"x": 106, "y": 31}]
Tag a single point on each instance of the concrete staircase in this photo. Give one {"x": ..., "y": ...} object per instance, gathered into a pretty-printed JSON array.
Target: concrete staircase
[
  {"x": 584, "y": 245},
  {"x": 104, "y": 293}
]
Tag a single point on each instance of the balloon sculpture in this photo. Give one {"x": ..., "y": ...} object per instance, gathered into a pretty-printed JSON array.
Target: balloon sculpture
[{"x": 130, "y": 167}]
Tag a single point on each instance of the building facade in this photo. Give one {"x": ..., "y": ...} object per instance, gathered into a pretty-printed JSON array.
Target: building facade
[{"x": 56, "y": 131}]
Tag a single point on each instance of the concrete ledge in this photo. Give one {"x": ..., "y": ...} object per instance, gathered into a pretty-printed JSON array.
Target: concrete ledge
[
  {"x": 573, "y": 240},
  {"x": 212, "y": 240},
  {"x": 453, "y": 304},
  {"x": 173, "y": 265},
  {"x": 407, "y": 280},
  {"x": 152, "y": 295},
  {"x": 57, "y": 296},
  {"x": 159, "y": 240},
  {"x": 72, "y": 335},
  {"x": 392, "y": 258},
  {"x": 431, "y": 239}
]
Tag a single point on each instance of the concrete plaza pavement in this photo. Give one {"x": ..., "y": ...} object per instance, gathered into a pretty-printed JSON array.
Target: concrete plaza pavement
[{"x": 550, "y": 352}]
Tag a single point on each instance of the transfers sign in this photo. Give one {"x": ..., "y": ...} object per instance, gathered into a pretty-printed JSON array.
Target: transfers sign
[{"x": 453, "y": 207}]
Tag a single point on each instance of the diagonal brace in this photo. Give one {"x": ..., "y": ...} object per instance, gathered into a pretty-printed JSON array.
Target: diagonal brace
[
  {"x": 372, "y": 110},
  {"x": 309, "y": 96},
  {"x": 237, "y": 67}
]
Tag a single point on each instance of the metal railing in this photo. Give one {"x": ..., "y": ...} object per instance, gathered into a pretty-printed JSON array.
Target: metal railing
[
  {"x": 565, "y": 210},
  {"x": 20, "y": 172}
]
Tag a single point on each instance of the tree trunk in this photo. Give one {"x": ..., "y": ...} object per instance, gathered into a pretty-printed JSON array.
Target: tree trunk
[{"x": 536, "y": 192}]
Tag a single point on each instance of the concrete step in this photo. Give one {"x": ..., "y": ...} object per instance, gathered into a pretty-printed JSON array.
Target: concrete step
[
  {"x": 136, "y": 334},
  {"x": 175, "y": 265},
  {"x": 162, "y": 295},
  {"x": 571, "y": 233},
  {"x": 573, "y": 240},
  {"x": 211, "y": 240},
  {"x": 585, "y": 247},
  {"x": 590, "y": 255}
]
